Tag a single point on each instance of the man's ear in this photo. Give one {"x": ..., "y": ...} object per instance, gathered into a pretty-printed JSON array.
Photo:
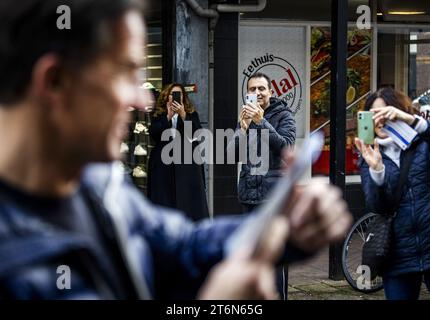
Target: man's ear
[{"x": 47, "y": 79}]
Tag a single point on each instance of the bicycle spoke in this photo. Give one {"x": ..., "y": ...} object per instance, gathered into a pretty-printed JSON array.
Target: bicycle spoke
[
  {"x": 352, "y": 254},
  {"x": 362, "y": 234}
]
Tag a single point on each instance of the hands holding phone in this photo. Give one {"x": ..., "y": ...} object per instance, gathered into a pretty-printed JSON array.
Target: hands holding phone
[
  {"x": 174, "y": 105},
  {"x": 253, "y": 112},
  {"x": 250, "y": 112},
  {"x": 373, "y": 121},
  {"x": 244, "y": 120},
  {"x": 372, "y": 156},
  {"x": 170, "y": 112},
  {"x": 179, "y": 109},
  {"x": 391, "y": 113}
]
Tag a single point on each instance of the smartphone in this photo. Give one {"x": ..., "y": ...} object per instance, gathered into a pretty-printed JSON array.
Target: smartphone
[
  {"x": 176, "y": 96},
  {"x": 251, "y": 98},
  {"x": 366, "y": 129}
]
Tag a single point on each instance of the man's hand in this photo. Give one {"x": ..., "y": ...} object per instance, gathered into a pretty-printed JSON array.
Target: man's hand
[
  {"x": 244, "y": 277},
  {"x": 179, "y": 109},
  {"x": 315, "y": 216},
  {"x": 170, "y": 112},
  {"x": 244, "y": 120},
  {"x": 318, "y": 216},
  {"x": 254, "y": 112},
  {"x": 240, "y": 278},
  {"x": 317, "y": 213}
]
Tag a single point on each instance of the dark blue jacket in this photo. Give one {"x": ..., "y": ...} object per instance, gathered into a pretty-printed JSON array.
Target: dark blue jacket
[
  {"x": 164, "y": 255},
  {"x": 281, "y": 126},
  {"x": 410, "y": 250}
]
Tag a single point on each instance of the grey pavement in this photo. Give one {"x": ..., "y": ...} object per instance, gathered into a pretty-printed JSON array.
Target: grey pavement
[{"x": 309, "y": 281}]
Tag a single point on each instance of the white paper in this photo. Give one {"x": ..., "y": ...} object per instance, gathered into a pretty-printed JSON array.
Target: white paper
[
  {"x": 400, "y": 132},
  {"x": 249, "y": 234}
]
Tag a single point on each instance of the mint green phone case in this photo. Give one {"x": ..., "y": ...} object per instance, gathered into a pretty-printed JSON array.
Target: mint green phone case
[{"x": 366, "y": 130}]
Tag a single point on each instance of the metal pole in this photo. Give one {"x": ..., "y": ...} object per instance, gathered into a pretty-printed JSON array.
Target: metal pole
[
  {"x": 339, "y": 24},
  {"x": 211, "y": 120}
]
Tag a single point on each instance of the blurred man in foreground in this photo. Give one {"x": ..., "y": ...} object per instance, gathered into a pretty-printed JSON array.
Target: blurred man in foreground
[{"x": 64, "y": 96}]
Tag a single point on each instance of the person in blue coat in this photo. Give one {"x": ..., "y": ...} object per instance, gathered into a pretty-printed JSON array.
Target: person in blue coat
[
  {"x": 409, "y": 259},
  {"x": 71, "y": 227}
]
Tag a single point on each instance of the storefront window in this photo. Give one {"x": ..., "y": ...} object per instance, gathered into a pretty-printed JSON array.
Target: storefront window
[
  {"x": 419, "y": 63},
  {"x": 153, "y": 70},
  {"x": 394, "y": 52},
  {"x": 358, "y": 88},
  {"x": 137, "y": 147},
  {"x": 404, "y": 60}
]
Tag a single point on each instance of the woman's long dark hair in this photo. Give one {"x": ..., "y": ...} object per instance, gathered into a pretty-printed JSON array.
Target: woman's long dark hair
[
  {"x": 161, "y": 106},
  {"x": 393, "y": 98}
]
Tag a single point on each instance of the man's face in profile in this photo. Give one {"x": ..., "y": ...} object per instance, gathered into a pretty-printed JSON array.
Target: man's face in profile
[{"x": 95, "y": 119}]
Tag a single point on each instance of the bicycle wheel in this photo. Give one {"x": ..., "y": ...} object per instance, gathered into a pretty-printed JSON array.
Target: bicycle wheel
[{"x": 352, "y": 252}]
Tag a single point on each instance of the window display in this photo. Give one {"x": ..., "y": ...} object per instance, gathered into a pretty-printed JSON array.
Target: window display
[
  {"x": 358, "y": 87},
  {"x": 137, "y": 148}
]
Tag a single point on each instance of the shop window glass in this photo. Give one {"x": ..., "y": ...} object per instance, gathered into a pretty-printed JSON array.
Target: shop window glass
[
  {"x": 358, "y": 88},
  {"x": 137, "y": 147},
  {"x": 404, "y": 61}
]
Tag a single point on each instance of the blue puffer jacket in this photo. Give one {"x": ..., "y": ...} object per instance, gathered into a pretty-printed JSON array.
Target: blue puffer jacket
[
  {"x": 164, "y": 254},
  {"x": 411, "y": 228}
]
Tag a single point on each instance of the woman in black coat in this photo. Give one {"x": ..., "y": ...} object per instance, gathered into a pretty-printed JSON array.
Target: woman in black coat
[{"x": 176, "y": 184}]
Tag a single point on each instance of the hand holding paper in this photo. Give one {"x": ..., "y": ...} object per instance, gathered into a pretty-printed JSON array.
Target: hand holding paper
[{"x": 316, "y": 216}]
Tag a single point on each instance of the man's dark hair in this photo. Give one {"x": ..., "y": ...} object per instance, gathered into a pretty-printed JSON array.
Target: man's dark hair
[
  {"x": 260, "y": 75},
  {"x": 28, "y": 30}
]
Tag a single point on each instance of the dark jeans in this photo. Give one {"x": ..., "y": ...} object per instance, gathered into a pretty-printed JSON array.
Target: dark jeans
[{"x": 405, "y": 286}]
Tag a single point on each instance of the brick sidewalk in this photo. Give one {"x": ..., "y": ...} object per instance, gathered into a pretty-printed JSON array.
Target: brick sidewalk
[{"x": 309, "y": 281}]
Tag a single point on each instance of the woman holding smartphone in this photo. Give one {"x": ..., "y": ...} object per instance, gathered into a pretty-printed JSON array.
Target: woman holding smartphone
[
  {"x": 409, "y": 259},
  {"x": 176, "y": 185}
]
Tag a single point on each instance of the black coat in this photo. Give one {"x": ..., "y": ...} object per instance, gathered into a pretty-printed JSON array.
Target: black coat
[
  {"x": 180, "y": 186},
  {"x": 279, "y": 121}
]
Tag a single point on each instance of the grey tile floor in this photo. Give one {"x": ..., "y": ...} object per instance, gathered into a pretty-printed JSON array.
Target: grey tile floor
[{"x": 309, "y": 281}]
